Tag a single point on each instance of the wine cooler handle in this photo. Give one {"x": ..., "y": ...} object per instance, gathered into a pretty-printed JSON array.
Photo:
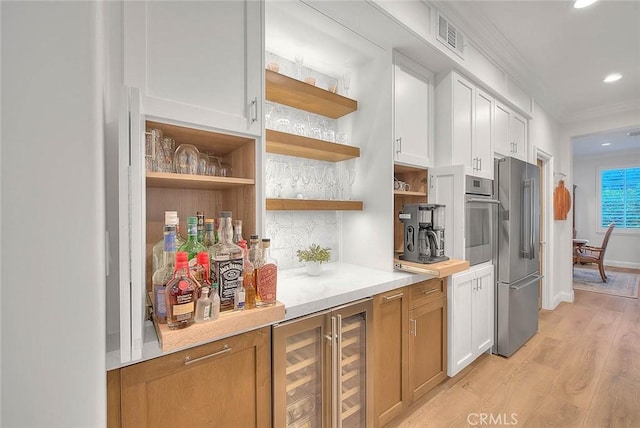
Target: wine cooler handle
[
  {"x": 339, "y": 371},
  {"x": 393, "y": 297},
  {"x": 224, "y": 350},
  {"x": 334, "y": 374},
  {"x": 414, "y": 327}
]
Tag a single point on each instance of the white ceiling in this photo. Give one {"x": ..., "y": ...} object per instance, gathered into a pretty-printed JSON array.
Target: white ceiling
[{"x": 560, "y": 55}]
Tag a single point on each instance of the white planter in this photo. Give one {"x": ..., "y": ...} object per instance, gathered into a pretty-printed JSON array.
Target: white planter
[{"x": 314, "y": 268}]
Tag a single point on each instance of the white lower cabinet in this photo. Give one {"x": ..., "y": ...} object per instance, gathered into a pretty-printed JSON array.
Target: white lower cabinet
[{"x": 471, "y": 316}]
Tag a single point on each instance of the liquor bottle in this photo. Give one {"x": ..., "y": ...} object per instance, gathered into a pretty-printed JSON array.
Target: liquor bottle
[
  {"x": 215, "y": 302},
  {"x": 266, "y": 277},
  {"x": 255, "y": 250},
  {"x": 201, "y": 273},
  {"x": 170, "y": 218},
  {"x": 248, "y": 278},
  {"x": 226, "y": 263},
  {"x": 237, "y": 232},
  {"x": 181, "y": 294},
  {"x": 209, "y": 234},
  {"x": 200, "y": 228},
  {"x": 203, "y": 307},
  {"x": 239, "y": 297},
  {"x": 192, "y": 246},
  {"x": 163, "y": 275}
]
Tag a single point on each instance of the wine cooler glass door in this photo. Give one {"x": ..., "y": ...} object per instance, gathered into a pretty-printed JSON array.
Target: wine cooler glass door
[{"x": 299, "y": 373}]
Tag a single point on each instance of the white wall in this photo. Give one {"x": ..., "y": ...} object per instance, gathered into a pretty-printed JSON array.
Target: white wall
[
  {"x": 585, "y": 175},
  {"x": 53, "y": 304}
]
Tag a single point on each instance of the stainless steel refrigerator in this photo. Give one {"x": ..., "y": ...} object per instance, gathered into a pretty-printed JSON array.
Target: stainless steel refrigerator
[{"x": 517, "y": 185}]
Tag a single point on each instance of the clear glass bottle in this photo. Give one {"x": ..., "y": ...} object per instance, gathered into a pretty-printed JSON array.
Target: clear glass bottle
[
  {"x": 181, "y": 294},
  {"x": 192, "y": 246},
  {"x": 226, "y": 263},
  {"x": 209, "y": 239},
  {"x": 255, "y": 250},
  {"x": 200, "y": 227},
  {"x": 266, "y": 277},
  {"x": 203, "y": 306},
  {"x": 248, "y": 278},
  {"x": 215, "y": 302},
  {"x": 239, "y": 297},
  {"x": 170, "y": 218},
  {"x": 163, "y": 275},
  {"x": 237, "y": 232}
]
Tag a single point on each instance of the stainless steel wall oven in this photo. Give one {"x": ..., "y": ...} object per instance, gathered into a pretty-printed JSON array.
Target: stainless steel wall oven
[{"x": 479, "y": 220}]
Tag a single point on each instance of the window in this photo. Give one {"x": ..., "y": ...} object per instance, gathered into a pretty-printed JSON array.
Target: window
[{"x": 620, "y": 197}]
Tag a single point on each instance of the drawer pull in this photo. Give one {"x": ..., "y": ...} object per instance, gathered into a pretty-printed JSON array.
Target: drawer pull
[
  {"x": 224, "y": 350},
  {"x": 433, "y": 290},
  {"x": 393, "y": 297}
]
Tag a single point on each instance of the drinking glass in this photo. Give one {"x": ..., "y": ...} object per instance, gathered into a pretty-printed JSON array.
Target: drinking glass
[
  {"x": 300, "y": 123},
  {"x": 295, "y": 170},
  {"x": 350, "y": 176},
  {"x": 346, "y": 82},
  {"x": 203, "y": 163},
  {"x": 331, "y": 179},
  {"x": 164, "y": 156},
  {"x": 307, "y": 175},
  {"x": 318, "y": 176},
  {"x": 186, "y": 159},
  {"x": 214, "y": 165}
]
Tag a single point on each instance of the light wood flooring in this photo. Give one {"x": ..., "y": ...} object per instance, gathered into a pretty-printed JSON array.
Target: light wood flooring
[{"x": 582, "y": 369}]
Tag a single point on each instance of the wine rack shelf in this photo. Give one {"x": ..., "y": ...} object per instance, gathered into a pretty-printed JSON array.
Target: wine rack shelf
[
  {"x": 310, "y": 148},
  {"x": 294, "y": 93}
]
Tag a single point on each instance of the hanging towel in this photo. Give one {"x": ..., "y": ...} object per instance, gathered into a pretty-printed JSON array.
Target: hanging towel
[{"x": 561, "y": 201}]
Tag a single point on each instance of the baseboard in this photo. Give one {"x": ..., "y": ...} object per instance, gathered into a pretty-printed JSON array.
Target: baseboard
[
  {"x": 562, "y": 297},
  {"x": 628, "y": 265}
]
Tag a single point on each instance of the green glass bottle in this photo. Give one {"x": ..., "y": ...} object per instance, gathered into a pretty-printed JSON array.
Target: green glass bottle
[{"x": 192, "y": 246}]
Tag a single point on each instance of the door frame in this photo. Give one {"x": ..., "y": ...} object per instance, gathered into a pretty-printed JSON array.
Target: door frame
[{"x": 546, "y": 184}]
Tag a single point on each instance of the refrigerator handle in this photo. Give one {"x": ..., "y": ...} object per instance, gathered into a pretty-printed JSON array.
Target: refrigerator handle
[
  {"x": 524, "y": 228},
  {"x": 334, "y": 373},
  {"x": 532, "y": 249}
]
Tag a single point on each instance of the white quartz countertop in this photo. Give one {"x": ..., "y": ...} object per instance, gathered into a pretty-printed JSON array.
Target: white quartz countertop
[{"x": 338, "y": 284}]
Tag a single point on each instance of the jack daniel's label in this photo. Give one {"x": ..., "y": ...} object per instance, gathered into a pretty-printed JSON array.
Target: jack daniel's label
[{"x": 228, "y": 274}]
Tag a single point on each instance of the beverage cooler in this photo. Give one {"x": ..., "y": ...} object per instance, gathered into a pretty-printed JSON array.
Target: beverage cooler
[{"x": 322, "y": 369}]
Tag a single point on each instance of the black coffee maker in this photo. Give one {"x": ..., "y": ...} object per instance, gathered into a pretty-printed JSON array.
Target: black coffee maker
[{"x": 423, "y": 233}]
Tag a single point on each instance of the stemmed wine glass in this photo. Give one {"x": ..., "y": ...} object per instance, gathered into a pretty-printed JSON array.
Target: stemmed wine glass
[
  {"x": 350, "y": 175},
  {"x": 295, "y": 170},
  {"x": 346, "y": 82},
  {"x": 318, "y": 176},
  {"x": 330, "y": 176},
  {"x": 307, "y": 174}
]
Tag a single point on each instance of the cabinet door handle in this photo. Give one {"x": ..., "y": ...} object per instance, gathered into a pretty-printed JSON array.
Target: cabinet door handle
[
  {"x": 480, "y": 164},
  {"x": 224, "y": 350},
  {"x": 426, "y": 292},
  {"x": 254, "y": 107},
  {"x": 399, "y": 145},
  {"x": 393, "y": 297},
  {"x": 414, "y": 327}
]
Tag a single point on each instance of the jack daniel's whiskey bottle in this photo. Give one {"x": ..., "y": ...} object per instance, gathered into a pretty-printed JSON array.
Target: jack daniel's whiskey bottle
[{"x": 226, "y": 263}]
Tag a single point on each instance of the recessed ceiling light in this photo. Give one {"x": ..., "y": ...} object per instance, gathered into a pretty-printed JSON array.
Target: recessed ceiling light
[
  {"x": 612, "y": 77},
  {"x": 579, "y": 4},
  {"x": 605, "y": 144}
]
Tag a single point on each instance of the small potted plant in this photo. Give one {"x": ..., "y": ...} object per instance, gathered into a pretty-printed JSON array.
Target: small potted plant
[{"x": 314, "y": 256}]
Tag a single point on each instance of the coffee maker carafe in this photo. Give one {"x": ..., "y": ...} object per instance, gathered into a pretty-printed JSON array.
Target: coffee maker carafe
[{"x": 423, "y": 233}]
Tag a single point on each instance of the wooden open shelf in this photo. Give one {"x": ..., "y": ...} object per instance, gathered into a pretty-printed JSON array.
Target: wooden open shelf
[
  {"x": 294, "y": 93},
  {"x": 312, "y": 205},
  {"x": 283, "y": 143},
  {"x": 405, "y": 193},
  {"x": 170, "y": 180}
]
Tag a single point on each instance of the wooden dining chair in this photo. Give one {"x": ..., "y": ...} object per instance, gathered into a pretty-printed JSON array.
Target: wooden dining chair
[{"x": 595, "y": 255}]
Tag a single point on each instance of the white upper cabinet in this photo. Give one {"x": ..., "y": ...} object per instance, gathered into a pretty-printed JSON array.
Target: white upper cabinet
[
  {"x": 413, "y": 113},
  {"x": 197, "y": 62},
  {"x": 464, "y": 126},
  {"x": 510, "y": 133}
]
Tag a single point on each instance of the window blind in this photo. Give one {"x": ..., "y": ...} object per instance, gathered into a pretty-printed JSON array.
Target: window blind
[{"x": 620, "y": 198}]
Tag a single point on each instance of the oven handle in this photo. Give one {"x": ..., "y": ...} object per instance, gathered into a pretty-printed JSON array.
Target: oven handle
[{"x": 482, "y": 200}]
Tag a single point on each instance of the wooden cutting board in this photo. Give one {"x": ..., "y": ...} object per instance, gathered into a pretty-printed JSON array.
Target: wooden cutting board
[{"x": 561, "y": 201}]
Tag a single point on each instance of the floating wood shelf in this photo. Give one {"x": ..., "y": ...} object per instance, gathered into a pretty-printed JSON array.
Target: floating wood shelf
[
  {"x": 283, "y": 143},
  {"x": 169, "y": 180},
  {"x": 312, "y": 205},
  {"x": 406, "y": 193},
  {"x": 294, "y": 93}
]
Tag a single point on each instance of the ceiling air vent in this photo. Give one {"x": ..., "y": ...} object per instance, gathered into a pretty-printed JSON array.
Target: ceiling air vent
[{"x": 450, "y": 36}]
